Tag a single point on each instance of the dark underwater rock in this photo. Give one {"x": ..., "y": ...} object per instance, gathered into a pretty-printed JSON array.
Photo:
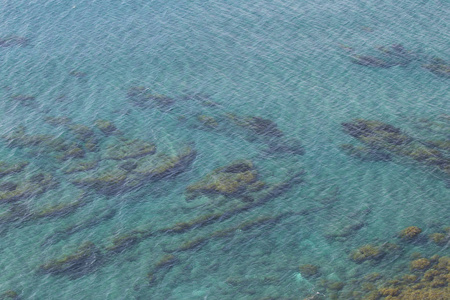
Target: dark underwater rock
[
  {"x": 364, "y": 153},
  {"x": 142, "y": 96},
  {"x": 371, "y": 61},
  {"x": 6, "y": 168},
  {"x": 438, "y": 67},
  {"x": 126, "y": 149},
  {"x": 12, "y": 41},
  {"x": 257, "y": 125},
  {"x": 84, "y": 260}
]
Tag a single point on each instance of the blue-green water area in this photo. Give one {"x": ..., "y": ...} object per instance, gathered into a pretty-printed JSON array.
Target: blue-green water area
[{"x": 224, "y": 149}]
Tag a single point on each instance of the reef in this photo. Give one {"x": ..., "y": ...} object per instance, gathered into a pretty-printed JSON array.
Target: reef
[
  {"x": 126, "y": 149},
  {"x": 342, "y": 228},
  {"x": 439, "y": 238},
  {"x": 420, "y": 264},
  {"x": 364, "y": 153},
  {"x": 82, "y": 132},
  {"x": 107, "y": 127},
  {"x": 410, "y": 233},
  {"x": 208, "y": 121},
  {"x": 142, "y": 96},
  {"x": 430, "y": 280},
  {"x": 6, "y": 168},
  {"x": 163, "y": 165},
  {"x": 9, "y": 295},
  {"x": 59, "y": 210},
  {"x": 80, "y": 166},
  {"x": 13, "y": 41},
  {"x": 386, "y": 57},
  {"x": 125, "y": 241},
  {"x": 371, "y": 61},
  {"x": 257, "y": 125},
  {"x": 309, "y": 270},
  {"x": 132, "y": 174},
  {"x": 438, "y": 67},
  {"x": 61, "y": 234},
  {"x": 253, "y": 129},
  {"x": 387, "y": 138},
  {"x": 84, "y": 260},
  {"x": 23, "y": 99},
  {"x": 162, "y": 265},
  {"x": 108, "y": 181},
  {"x": 34, "y": 186},
  {"x": 77, "y": 74},
  {"x": 232, "y": 180},
  {"x": 18, "y": 138},
  {"x": 367, "y": 252},
  {"x": 57, "y": 121}
]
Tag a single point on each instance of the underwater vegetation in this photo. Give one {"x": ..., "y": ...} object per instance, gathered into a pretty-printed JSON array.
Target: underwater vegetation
[
  {"x": 129, "y": 149},
  {"x": 9, "y": 295},
  {"x": 133, "y": 174},
  {"x": 61, "y": 234},
  {"x": 387, "y": 57},
  {"x": 254, "y": 129},
  {"x": 427, "y": 279},
  {"x": 410, "y": 233},
  {"x": 120, "y": 243},
  {"x": 143, "y": 96},
  {"x": 169, "y": 260},
  {"x": 397, "y": 55},
  {"x": 234, "y": 179},
  {"x": 83, "y": 260},
  {"x": 365, "y": 153},
  {"x": 438, "y": 67},
  {"x": 7, "y": 168},
  {"x": 34, "y": 186},
  {"x": 384, "y": 137}
]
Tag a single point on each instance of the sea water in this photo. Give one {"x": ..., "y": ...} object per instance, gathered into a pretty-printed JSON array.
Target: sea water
[{"x": 291, "y": 62}]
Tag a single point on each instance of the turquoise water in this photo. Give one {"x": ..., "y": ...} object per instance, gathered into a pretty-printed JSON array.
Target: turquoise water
[{"x": 286, "y": 61}]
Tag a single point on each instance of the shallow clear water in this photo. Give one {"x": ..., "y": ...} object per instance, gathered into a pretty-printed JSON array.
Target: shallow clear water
[{"x": 287, "y": 61}]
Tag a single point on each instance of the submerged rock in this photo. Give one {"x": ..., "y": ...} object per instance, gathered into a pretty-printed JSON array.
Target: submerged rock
[
  {"x": 57, "y": 121},
  {"x": 371, "y": 61},
  {"x": 367, "y": 252},
  {"x": 80, "y": 166},
  {"x": 126, "y": 149},
  {"x": 12, "y": 41},
  {"x": 77, "y": 74},
  {"x": 377, "y": 134},
  {"x": 35, "y": 186},
  {"x": 108, "y": 181},
  {"x": 230, "y": 180},
  {"x": 9, "y": 295},
  {"x": 142, "y": 96},
  {"x": 410, "y": 233},
  {"x": 107, "y": 127},
  {"x": 23, "y": 99},
  {"x": 85, "y": 259},
  {"x": 6, "y": 168},
  {"x": 58, "y": 210},
  {"x": 364, "y": 153},
  {"x": 257, "y": 125},
  {"x": 163, "y": 165},
  {"x": 438, "y": 67}
]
